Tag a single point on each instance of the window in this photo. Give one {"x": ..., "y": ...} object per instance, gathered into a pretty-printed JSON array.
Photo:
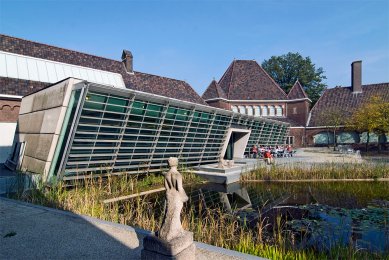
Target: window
[
  {"x": 234, "y": 109},
  {"x": 289, "y": 140},
  {"x": 278, "y": 111},
  {"x": 242, "y": 109},
  {"x": 257, "y": 111},
  {"x": 264, "y": 110},
  {"x": 295, "y": 110},
  {"x": 272, "y": 111},
  {"x": 249, "y": 110}
]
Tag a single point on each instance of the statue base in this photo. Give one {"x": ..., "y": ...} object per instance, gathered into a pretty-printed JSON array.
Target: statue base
[{"x": 181, "y": 247}]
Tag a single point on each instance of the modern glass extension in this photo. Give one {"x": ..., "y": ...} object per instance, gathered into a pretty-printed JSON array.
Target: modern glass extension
[{"x": 110, "y": 130}]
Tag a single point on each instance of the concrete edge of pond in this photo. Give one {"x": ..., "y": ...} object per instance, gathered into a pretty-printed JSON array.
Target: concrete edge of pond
[
  {"x": 21, "y": 213},
  {"x": 318, "y": 180}
]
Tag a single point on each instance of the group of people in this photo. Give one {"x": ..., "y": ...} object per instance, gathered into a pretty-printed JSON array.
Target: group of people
[{"x": 268, "y": 153}]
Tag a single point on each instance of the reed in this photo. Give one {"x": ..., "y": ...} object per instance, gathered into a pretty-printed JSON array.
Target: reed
[
  {"x": 211, "y": 226},
  {"x": 320, "y": 171}
]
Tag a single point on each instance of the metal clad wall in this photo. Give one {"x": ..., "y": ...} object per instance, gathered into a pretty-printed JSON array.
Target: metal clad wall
[{"x": 30, "y": 68}]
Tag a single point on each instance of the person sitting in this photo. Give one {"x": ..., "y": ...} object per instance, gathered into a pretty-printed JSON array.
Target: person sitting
[
  {"x": 289, "y": 149},
  {"x": 274, "y": 151},
  {"x": 268, "y": 157},
  {"x": 254, "y": 151}
]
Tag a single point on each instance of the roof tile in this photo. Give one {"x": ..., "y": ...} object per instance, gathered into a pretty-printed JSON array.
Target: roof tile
[
  {"x": 138, "y": 81},
  {"x": 297, "y": 91},
  {"x": 343, "y": 99},
  {"x": 214, "y": 91},
  {"x": 247, "y": 80}
]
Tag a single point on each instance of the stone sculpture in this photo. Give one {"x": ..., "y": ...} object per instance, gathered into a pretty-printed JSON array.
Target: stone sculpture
[
  {"x": 222, "y": 163},
  {"x": 175, "y": 198},
  {"x": 225, "y": 163},
  {"x": 172, "y": 241}
]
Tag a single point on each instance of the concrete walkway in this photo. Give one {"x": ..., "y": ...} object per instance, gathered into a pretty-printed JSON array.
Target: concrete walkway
[{"x": 28, "y": 231}]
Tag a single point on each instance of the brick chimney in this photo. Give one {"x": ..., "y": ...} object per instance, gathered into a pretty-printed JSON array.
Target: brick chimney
[
  {"x": 127, "y": 61},
  {"x": 356, "y": 76}
]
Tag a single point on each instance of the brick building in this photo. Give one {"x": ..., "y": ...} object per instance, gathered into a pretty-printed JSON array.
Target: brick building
[
  {"x": 248, "y": 89},
  {"x": 344, "y": 100},
  {"x": 80, "y": 112}
]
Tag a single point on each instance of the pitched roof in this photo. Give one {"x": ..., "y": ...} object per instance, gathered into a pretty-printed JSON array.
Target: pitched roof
[
  {"x": 214, "y": 91},
  {"x": 297, "y": 91},
  {"x": 344, "y": 100},
  {"x": 138, "y": 81},
  {"x": 247, "y": 80},
  {"x": 292, "y": 122}
]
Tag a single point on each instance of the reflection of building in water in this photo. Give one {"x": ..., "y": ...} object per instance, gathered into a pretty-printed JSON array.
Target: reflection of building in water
[{"x": 230, "y": 198}]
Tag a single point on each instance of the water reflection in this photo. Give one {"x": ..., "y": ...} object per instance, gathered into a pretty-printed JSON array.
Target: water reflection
[{"x": 321, "y": 215}]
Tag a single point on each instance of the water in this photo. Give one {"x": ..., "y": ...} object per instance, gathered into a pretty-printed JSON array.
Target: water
[{"x": 316, "y": 214}]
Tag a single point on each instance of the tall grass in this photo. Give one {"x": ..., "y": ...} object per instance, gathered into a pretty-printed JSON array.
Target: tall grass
[
  {"x": 320, "y": 171},
  {"x": 211, "y": 226}
]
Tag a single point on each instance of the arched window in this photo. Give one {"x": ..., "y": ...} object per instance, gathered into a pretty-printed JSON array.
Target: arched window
[
  {"x": 272, "y": 111},
  {"x": 264, "y": 110},
  {"x": 242, "y": 109},
  {"x": 249, "y": 110},
  {"x": 278, "y": 111},
  {"x": 257, "y": 111},
  {"x": 234, "y": 109}
]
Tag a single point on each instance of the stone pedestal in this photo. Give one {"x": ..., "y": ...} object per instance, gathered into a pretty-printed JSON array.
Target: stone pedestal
[{"x": 180, "y": 248}]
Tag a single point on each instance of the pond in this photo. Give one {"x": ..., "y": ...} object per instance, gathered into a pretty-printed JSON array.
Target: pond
[{"x": 317, "y": 215}]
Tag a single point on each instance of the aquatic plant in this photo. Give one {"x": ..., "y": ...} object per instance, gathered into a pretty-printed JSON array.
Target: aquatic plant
[
  {"x": 210, "y": 225},
  {"x": 318, "y": 171}
]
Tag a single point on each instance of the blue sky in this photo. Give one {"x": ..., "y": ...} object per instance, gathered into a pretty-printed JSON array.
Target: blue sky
[{"x": 197, "y": 40}]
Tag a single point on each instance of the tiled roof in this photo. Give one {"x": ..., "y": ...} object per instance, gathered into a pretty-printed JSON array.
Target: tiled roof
[
  {"x": 247, "y": 80},
  {"x": 344, "y": 100},
  {"x": 297, "y": 91},
  {"x": 19, "y": 87},
  {"x": 138, "y": 81},
  {"x": 286, "y": 120},
  {"x": 214, "y": 91}
]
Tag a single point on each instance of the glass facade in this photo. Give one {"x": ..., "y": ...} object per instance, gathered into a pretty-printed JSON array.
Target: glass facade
[{"x": 137, "y": 132}]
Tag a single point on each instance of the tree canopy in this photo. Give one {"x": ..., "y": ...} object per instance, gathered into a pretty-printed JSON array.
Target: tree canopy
[
  {"x": 288, "y": 68},
  {"x": 371, "y": 117},
  {"x": 331, "y": 118}
]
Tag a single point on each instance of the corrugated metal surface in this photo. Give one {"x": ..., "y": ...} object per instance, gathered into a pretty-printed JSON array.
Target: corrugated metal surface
[{"x": 29, "y": 68}]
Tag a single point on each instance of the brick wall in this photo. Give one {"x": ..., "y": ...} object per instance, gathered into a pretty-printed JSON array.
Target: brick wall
[
  {"x": 299, "y": 136},
  {"x": 298, "y": 111},
  {"x": 9, "y": 110},
  {"x": 219, "y": 104}
]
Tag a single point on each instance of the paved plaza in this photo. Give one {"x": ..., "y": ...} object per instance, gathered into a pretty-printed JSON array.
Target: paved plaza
[{"x": 33, "y": 232}]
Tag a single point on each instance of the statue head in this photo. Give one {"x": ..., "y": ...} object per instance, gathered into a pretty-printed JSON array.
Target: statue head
[{"x": 173, "y": 161}]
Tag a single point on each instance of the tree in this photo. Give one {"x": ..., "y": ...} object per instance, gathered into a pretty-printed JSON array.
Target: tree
[
  {"x": 332, "y": 119},
  {"x": 371, "y": 117},
  {"x": 288, "y": 68}
]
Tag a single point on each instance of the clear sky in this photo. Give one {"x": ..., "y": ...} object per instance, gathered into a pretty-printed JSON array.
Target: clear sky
[{"x": 196, "y": 41}]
